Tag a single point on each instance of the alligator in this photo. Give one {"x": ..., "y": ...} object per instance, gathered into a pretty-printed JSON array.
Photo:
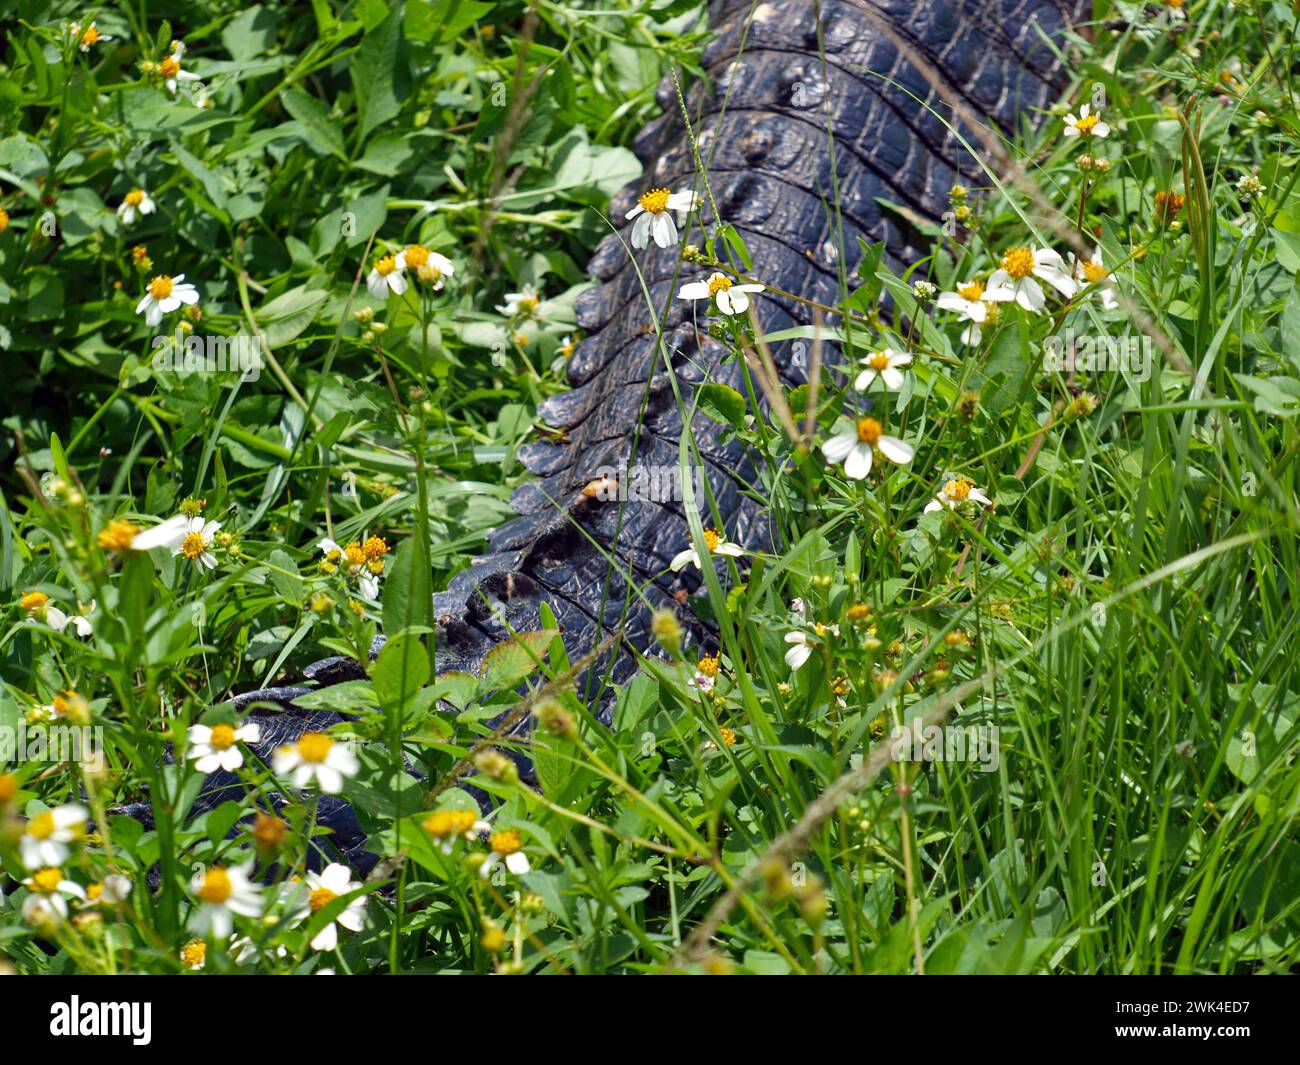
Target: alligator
[{"x": 821, "y": 136}]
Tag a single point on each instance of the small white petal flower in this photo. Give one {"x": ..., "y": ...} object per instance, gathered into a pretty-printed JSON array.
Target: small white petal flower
[
  {"x": 164, "y": 295},
  {"x": 385, "y": 276},
  {"x": 1014, "y": 280},
  {"x": 956, "y": 491},
  {"x": 1087, "y": 124},
  {"x": 802, "y": 643},
  {"x": 121, "y": 535},
  {"x": 730, "y": 297},
  {"x": 653, "y": 219},
  {"x": 217, "y": 747},
  {"x": 521, "y": 304},
  {"x": 968, "y": 301},
  {"x": 224, "y": 893},
  {"x": 883, "y": 364},
  {"x": 324, "y": 887},
  {"x": 46, "y": 836},
  {"x": 196, "y": 543},
  {"x": 856, "y": 448},
  {"x": 714, "y": 542},
  {"x": 135, "y": 203},
  {"x": 88, "y": 38},
  {"x": 317, "y": 757},
  {"x": 428, "y": 265},
  {"x": 50, "y": 886},
  {"x": 506, "y": 847},
  {"x": 1093, "y": 274}
]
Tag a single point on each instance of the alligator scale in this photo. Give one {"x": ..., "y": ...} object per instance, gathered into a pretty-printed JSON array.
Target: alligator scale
[{"x": 814, "y": 123}]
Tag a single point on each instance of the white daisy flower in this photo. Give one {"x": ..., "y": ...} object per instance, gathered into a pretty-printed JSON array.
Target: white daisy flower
[
  {"x": 363, "y": 562},
  {"x": 521, "y": 304},
  {"x": 121, "y": 535},
  {"x": 1014, "y": 279},
  {"x": 165, "y": 295},
  {"x": 653, "y": 219},
  {"x": 385, "y": 276},
  {"x": 714, "y": 542},
  {"x": 883, "y": 364},
  {"x": 706, "y": 674},
  {"x": 87, "y": 38},
  {"x": 802, "y": 643},
  {"x": 46, "y": 836},
  {"x": 730, "y": 297},
  {"x": 318, "y": 757},
  {"x": 855, "y": 448},
  {"x": 506, "y": 847},
  {"x": 49, "y": 885},
  {"x": 196, "y": 542},
  {"x": 1094, "y": 275},
  {"x": 216, "y": 747},
  {"x": 428, "y": 265},
  {"x": 223, "y": 893},
  {"x": 955, "y": 492},
  {"x": 968, "y": 301},
  {"x": 58, "y": 620},
  {"x": 135, "y": 203},
  {"x": 325, "y": 887},
  {"x": 447, "y": 826},
  {"x": 563, "y": 353},
  {"x": 170, "y": 69},
  {"x": 1086, "y": 125},
  {"x": 113, "y": 889}
]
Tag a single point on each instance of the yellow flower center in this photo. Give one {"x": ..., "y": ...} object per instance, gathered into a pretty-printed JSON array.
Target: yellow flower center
[
  {"x": 386, "y": 265},
  {"x": 160, "y": 287},
  {"x": 1095, "y": 272},
  {"x": 216, "y": 886},
  {"x": 223, "y": 737},
  {"x": 134, "y": 197},
  {"x": 958, "y": 489},
  {"x": 527, "y": 305},
  {"x": 60, "y": 705},
  {"x": 719, "y": 283},
  {"x": 711, "y": 539},
  {"x": 708, "y": 665},
  {"x": 1019, "y": 263},
  {"x": 356, "y": 554},
  {"x": 417, "y": 255},
  {"x": 41, "y": 826},
  {"x": 4, "y": 219},
  {"x": 655, "y": 201},
  {"x": 47, "y": 881},
  {"x": 1086, "y": 123},
  {"x": 8, "y": 787},
  {"x": 169, "y": 67},
  {"x": 320, "y": 898},
  {"x": 117, "y": 536},
  {"x": 869, "y": 431},
  {"x": 314, "y": 747},
  {"x": 728, "y": 737},
  {"x": 32, "y": 602},
  {"x": 375, "y": 548},
  {"x": 194, "y": 954},
  {"x": 879, "y": 361},
  {"x": 193, "y": 546},
  {"x": 94, "y": 892},
  {"x": 139, "y": 254},
  {"x": 505, "y": 842},
  {"x": 444, "y": 824},
  {"x": 973, "y": 292}
]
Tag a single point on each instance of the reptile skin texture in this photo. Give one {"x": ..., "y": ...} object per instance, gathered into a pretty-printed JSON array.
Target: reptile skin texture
[{"x": 811, "y": 119}]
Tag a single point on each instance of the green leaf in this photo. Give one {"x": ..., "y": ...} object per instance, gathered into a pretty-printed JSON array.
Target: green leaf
[
  {"x": 314, "y": 124},
  {"x": 400, "y": 671},
  {"x": 509, "y": 663},
  {"x": 289, "y": 587},
  {"x": 379, "y": 74},
  {"x": 722, "y": 403},
  {"x": 288, "y": 315}
]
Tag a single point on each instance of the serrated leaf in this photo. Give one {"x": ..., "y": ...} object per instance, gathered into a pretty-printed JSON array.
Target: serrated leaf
[{"x": 509, "y": 663}]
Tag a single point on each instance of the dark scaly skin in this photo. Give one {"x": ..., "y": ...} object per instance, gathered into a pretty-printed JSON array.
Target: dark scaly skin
[{"x": 771, "y": 174}]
